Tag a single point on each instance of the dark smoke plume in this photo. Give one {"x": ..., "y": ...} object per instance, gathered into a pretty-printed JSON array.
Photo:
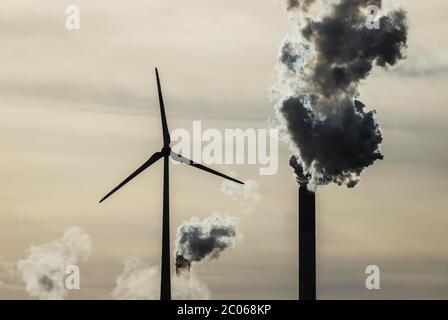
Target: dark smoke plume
[
  {"x": 347, "y": 49},
  {"x": 344, "y": 144},
  {"x": 199, "y": 240},
  {"x": 333, "y": 135},
  {"x": 288, "y": 56}
]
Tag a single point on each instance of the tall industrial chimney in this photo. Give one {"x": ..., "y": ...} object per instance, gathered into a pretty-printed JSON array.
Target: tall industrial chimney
[
  {"x": 307, "y": 244},
  {"x": 307, "y": 234}
]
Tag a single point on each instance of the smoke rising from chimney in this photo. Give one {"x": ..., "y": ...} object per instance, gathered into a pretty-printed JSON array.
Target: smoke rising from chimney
[
  {"x": 205, "y": 240},
  {"x": 301, "y": 177},
  {"x": 320, "y": 68}
]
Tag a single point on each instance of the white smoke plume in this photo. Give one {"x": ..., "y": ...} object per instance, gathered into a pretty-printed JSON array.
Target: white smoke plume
[
  {"x": 43, "y": 270},
  {"x": 198, "y": 240},
  {"x": 246, "y": 195},
  {"x": 320, "y": 66},
  {"x": 141, "y": 281}
]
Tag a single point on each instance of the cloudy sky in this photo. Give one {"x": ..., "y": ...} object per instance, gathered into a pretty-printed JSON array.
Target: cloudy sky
[{"x": 78, "y": 113}]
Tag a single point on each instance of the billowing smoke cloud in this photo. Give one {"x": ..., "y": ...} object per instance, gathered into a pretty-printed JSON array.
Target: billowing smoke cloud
[
  {"x": 43, "y": 271},
  {"x": 141, "y": 281},
  {"x": 330, "y": 131},
  {"x": 246, "y": 195},
  {"x": 347, "y": 49},
  {"x": 198, "y": 240}
]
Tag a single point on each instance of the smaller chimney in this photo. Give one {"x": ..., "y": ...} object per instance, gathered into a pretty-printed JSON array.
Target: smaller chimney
[{"x": 182, "y": 267}]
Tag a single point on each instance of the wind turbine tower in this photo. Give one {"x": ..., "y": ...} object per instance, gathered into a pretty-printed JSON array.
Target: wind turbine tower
[{"x": 165, "y": 153}]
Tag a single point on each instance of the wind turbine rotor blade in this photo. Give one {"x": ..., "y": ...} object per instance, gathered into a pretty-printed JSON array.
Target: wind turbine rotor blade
[
  {"x": 182, "y": 159},
  {"x": 166, "y": 133},
  {"x": 156, "y": 156}
]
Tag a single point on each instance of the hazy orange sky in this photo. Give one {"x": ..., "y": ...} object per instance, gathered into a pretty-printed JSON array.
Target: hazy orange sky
[{"x": 79, "y": 112}]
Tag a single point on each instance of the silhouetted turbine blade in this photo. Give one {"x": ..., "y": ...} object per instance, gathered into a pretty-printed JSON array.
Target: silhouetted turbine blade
[
  {"x": 179, "y": 158},
  {"x": 156, "y": 156},
  {"x": 166, "y": 133}
]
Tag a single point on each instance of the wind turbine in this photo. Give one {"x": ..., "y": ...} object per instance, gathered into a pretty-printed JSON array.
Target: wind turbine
[{"x": 165, "y": 153}]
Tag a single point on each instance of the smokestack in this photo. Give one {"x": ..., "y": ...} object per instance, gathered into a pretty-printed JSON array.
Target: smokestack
[
  {"x": 321, "y": 64},
  {"x": 307, "y": 244},
  {"x": 183, "y": 267},
  {"x": 307, "y": 234}
]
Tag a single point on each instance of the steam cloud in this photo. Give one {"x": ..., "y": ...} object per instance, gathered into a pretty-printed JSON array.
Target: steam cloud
[
  {"x": 245, "y": 195},
  {"x": 140, "y": 280},
  {"x": 200, "y": 240},
  {"x": 320, "y": 67},
  {"x": 43, "y": 271}
]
